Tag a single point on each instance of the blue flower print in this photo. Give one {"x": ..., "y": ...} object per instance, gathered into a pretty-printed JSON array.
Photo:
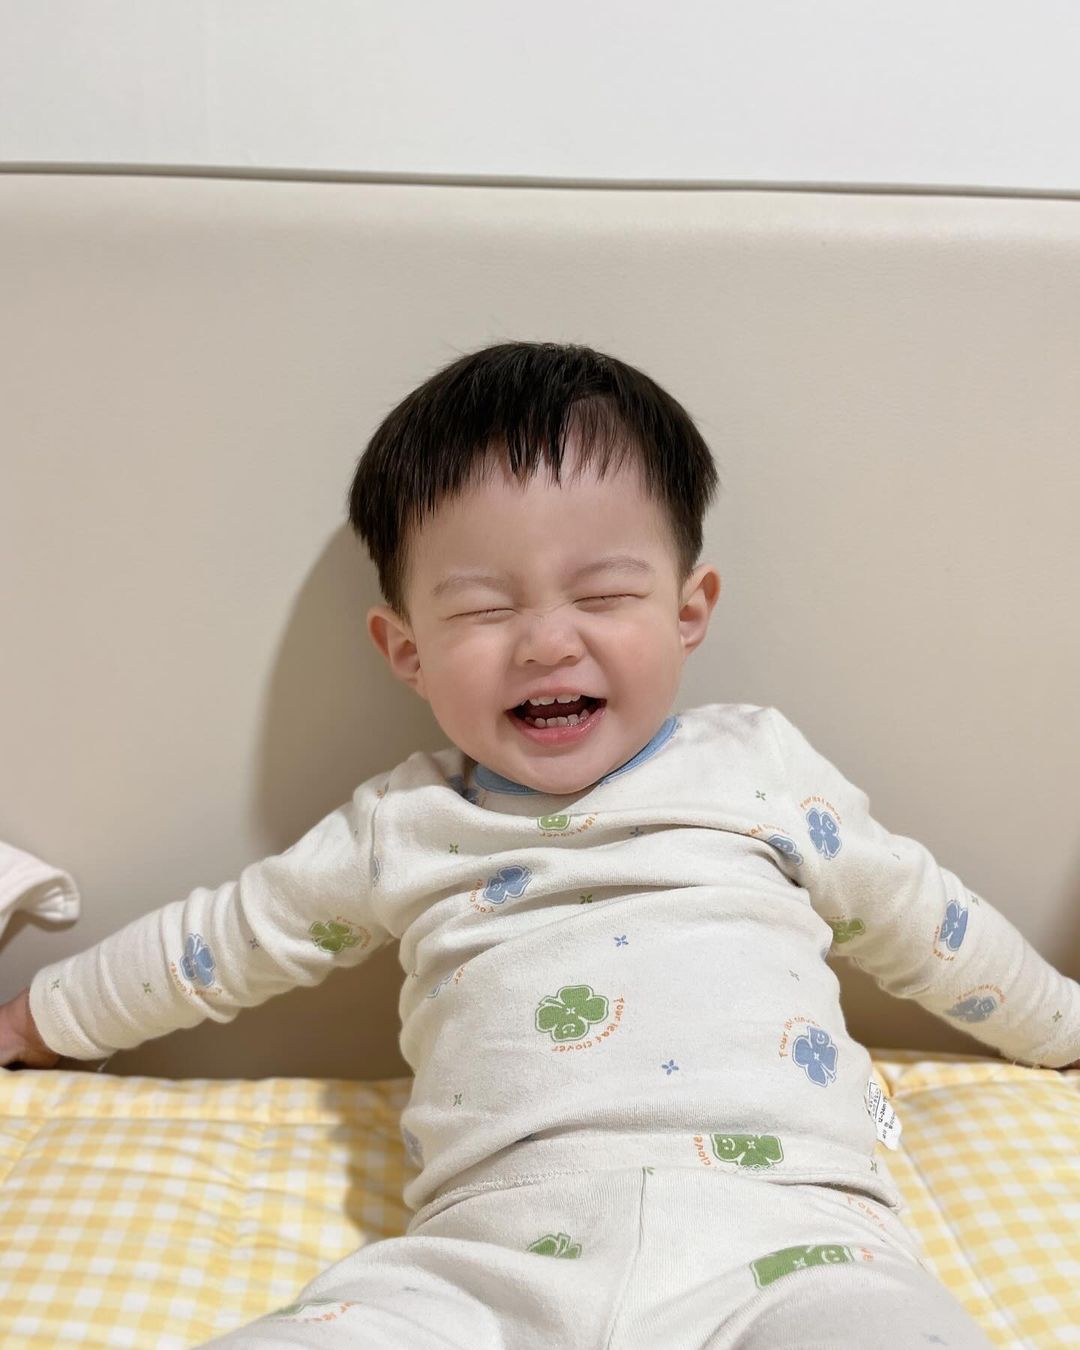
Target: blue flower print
[
  {"x": 457, "y": 782},
  {"x": 824, "y": 832},
  {"x": 816, "y": 1053},
  {"x": 507, "y": 881},
  {"x": 412, "y": 1147},
  {"x": 197, "y": 963},
  {"x": 973, "y": 1009},
  {"x": 785, "y": 845},
  {"x": 954, "y": 925}
]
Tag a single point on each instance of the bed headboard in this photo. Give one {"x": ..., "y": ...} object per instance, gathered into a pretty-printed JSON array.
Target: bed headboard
[{"x": 191, "y": 366}]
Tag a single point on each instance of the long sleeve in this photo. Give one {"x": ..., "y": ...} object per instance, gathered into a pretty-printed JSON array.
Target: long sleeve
[
  {"x": 289, "y": 920},
  {"x": 912, "y": 924}
]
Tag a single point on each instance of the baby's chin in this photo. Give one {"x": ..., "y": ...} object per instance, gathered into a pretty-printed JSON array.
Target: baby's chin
[
  {"x": 558, "y": 780},
  {"x": 575, "y": 789},
  {"x": 554, "y": 780}
]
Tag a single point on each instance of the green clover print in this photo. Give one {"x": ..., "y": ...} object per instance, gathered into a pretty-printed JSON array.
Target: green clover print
[
  {"x": 552, "y": 1244},
  {"x": 846, "y": 929},
  {"x": 332, "y": 936},
  {"x": 569, "y": 1015},
  {"x": 559, "y": 822},
  {"x": 748, "y": 1150},
  {"x": 291, "y": 1309},
  {"x": 773, "y": 1265}
]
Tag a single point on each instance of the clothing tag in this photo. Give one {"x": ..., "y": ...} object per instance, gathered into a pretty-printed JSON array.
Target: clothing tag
[{"x": 886, "y": 1122}]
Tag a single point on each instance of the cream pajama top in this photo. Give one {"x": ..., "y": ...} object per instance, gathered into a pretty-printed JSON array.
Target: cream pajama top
[{"x": 633, "y": 974}]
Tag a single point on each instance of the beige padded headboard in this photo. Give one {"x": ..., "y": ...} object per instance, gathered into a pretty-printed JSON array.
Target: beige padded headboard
[{"x": 190, "y": 367}]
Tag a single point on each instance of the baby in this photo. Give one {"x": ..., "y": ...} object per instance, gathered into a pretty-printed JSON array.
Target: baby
[{"x": 638, "y": 1118}]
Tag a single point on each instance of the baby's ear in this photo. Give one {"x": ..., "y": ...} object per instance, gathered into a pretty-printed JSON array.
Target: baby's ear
[
  {"x": 393, "y": 637},
  {"x": 699, "y": 595}
]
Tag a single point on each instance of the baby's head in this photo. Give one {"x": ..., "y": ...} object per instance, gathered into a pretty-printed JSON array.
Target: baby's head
[{"x": 573, "y": 489}]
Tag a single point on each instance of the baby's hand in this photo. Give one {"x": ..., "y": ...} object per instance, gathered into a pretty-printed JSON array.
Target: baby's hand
[{"x": 19, "y": 1039}]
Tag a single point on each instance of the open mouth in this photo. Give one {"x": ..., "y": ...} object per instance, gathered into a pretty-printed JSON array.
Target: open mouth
[{"x": 558, "y": 714}]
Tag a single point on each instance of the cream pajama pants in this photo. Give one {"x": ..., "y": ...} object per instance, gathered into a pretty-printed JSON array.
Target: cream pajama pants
[{"x": 631, "y": 1258}]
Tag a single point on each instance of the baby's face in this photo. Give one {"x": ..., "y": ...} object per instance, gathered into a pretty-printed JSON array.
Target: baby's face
[{"x": 540, "y": 623}]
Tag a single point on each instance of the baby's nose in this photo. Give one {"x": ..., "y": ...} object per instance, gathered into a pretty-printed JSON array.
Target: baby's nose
[{"x": 555, "y": 627}]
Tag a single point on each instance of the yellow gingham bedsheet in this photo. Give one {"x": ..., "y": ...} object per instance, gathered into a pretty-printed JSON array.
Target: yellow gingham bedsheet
[{"x": 151, "y": 1213}]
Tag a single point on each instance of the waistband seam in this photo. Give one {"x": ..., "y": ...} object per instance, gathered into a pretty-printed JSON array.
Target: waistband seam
[{"x": 805, "y": 1178}]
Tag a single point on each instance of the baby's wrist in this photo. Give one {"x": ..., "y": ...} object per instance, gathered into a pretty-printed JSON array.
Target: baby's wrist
[{"x": 29, "y": 1028}]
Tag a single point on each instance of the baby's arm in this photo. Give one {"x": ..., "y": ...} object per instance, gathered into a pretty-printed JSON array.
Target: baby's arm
[
  {"x": 288, "y": 921},
  {"x": 913, "y": 924},
  {"x": 20, "y": 1041}
]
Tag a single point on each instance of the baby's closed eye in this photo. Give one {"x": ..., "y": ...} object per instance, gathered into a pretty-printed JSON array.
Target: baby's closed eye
[{"x": 586, "y": 600}]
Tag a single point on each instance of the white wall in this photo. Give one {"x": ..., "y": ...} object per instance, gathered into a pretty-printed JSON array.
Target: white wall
[{"x": 973, "y": 94}]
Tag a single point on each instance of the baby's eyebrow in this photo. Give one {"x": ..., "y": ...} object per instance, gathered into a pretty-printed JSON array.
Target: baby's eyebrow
[{"x": 625, "y": 561}]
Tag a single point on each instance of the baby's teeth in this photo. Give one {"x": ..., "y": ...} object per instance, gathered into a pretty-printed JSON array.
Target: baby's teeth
[{"x": 570, "y": 721}]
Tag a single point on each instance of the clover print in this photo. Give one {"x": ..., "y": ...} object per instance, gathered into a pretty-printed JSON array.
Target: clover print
[
  {"x": 824, "y": 832},
  {"x": 954, "y": 925},
  {"x": 315, "y": 1310},
  {"x": 293, "y": 1308},
  {"x": 332, "y": 936},
  {"x": 555, "y": 1244},
  {"x": 569, "y": 1015},
  {"x": 507, "y": 881},
  {"x": 288, "y": 1310},
  {"x": 197, "y": 963},
  {"x": 846, "y": 929},
  {"x": 748, "y": 1150},
  {"x": 816, "y": 1054},
  {"x": 973, "y": 1009},
  {"x": 559, "y": 822},
  {"x": 789, "y": 1259},
  {"x": 785, "y": 845}
]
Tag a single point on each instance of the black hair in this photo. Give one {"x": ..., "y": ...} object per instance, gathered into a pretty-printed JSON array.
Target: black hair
[{"x": 524, "y": 398}]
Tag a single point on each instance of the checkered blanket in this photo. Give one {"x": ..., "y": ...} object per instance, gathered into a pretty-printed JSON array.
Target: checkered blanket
[{"x": 157, "y": 1214}]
